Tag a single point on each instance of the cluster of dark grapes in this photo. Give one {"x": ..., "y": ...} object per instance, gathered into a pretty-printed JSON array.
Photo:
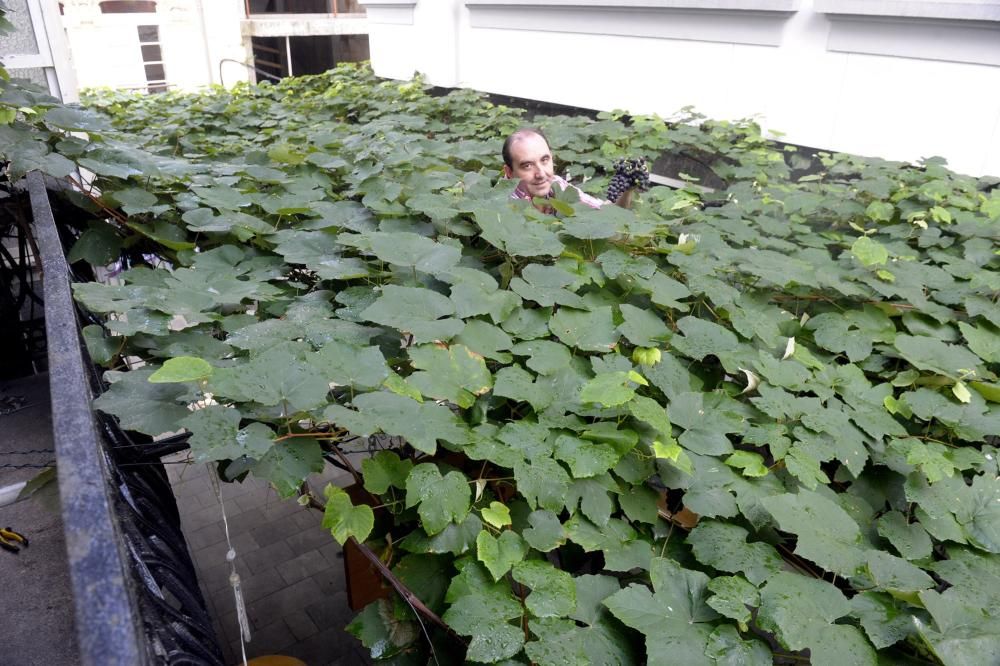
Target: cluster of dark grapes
[{"x": 628, "y": 174}]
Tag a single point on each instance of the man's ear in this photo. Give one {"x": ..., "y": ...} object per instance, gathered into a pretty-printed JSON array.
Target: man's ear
[{"x": 507, "y": 173}]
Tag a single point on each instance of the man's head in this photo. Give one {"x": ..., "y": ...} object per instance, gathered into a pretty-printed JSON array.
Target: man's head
[{"x": 527, "y": 158}]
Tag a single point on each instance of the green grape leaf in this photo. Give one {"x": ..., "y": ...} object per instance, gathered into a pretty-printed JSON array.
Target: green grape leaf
[
  {"x": 415, "y": 251},
  {"x": 343, "y": 519},
  {"x": 609, "y": 389},
  {"x": 216, "y": 435},
  {"x": 585, "y": 459},
  {"x": 441, "y": 500},
  {"x": 827, "y": 535},
  {"x": 422, "y": 312},
  {"x": 512, "y": 233},
  {"x": 181, "y": 369},
  {"x": 148, "y": 408},
  {"x": 553, "y": 593},
  {"x": 351, "y": 365},
  {"x": 587, "y": 331},
  {"x": 674, "y": 616},
  {"x": 543, "y": 483},
  {"x": 724, "y": 547},
  {"x": 454, "y": 373},
  {"x": 800, "y": 611},
  {"x": 642, "y": 328},
  {"x": 984, "y": 340},
  {"x": 932, "y": 354},
  {"x": 885, "y": 620},
  {"x": 277, "y": 377},
  {"x": 496, "y": 514},
  {"x": 727, "y": 648},
  {"x": 733, "y": 597},
  {"x": 287, "y": 464},
  {"x": 422, "y": 424},
  {"x": 910, "y": 539},
  {"x": 546, "y": 532},
  {"x": 500, "y": 554},
  {"x": 751, "y": 463},
  {"x": 385, "y": 469}
]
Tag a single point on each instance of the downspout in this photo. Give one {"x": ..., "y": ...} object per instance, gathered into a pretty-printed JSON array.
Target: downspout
[{"x": 204, "y": 39}]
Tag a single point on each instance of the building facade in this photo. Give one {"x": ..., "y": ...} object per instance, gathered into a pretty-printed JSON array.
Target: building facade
[
  {"x": 157, "y": 45},
  {"x": 900, "y": 79}
]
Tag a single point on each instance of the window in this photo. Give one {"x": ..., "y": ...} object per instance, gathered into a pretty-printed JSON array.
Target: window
[
  {"x": 152, "y": 58},
  {"x": 303, "y": 7},
  {"x": 127, "y": 6},
  {"x": 278, "y": 57}
]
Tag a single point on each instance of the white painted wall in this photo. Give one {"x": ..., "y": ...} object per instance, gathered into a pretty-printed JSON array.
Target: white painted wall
[
  {"x": 195, "y": 37},
  {"x": 898, "y": 81}
]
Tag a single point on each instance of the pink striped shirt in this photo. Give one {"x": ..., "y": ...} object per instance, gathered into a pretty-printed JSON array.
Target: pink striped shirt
[{"x": 593, "y": 202}]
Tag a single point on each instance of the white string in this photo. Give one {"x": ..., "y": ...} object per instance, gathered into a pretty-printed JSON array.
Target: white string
[{"x": 234, "y": 578}]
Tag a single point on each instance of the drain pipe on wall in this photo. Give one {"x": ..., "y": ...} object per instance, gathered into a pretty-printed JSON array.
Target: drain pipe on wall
[{"x": 204, "y": 39}]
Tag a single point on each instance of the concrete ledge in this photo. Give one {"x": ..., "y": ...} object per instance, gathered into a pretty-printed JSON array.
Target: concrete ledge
[
  {"x": 304, "y": 25},
  {"x": 727, "y": 21},
  {"x": 962, "y": 10},
  {"x": 925, "y": 39},
  {"x": 393, "y": 12},
  {"x": 707, "y": 5}
]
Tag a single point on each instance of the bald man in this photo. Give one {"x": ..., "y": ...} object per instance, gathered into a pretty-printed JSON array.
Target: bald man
[{"x": 528, "y": 158}]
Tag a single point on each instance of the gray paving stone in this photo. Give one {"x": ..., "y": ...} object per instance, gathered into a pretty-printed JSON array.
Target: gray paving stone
[
  {"x": 305, "y": 565},
  {"x": 259, "y": 585},
  {"x": 268, "y": 556},
  {"x": 333, "y": 553},
  {"x": 272, "y": 639},
  {"x": 312, "y": 537},
  {"x": 200, "y": 518},
  {"x": 331, "y": 611},
  {"x": 279, "y": 508},
  {"x": 214, "y": 577},
  {"x": 244, "y": 544},
  {"x": 274, "y": 530},
  {"x": 332, "y": 644},
  {"x": 245, "y": 521},
  {"x": 301, "y": 625},
  {"x": 206, "y": 536},
  {"x": 284, "y": 602}
]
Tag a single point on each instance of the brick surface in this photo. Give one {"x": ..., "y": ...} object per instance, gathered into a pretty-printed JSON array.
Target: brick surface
[
  {"x": 301, "y": 625},
  {"x": 325, "y": 647},
  {"x": 331, "y": 611},
  {"x": 270, "y": 555},
  {"x": 304, "y": 566},
  {"x": 292, "y": 571},
  {"x": 333, "y": 553},
  {"x": 206, "y": 536},
  {"x": 275, "y": 530},
  {"x": 244, "y": 544},
  {"x": 259, "y": 585},
  {"x": 284, "y": 602},
  {"x": 272, "y": 639},
  {"x": 313, "y": 537}
]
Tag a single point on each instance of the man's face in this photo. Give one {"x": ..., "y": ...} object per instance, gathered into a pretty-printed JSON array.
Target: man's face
[{"x": 532, "y": 165}]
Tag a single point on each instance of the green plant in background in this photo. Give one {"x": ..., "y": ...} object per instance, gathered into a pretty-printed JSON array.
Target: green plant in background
[{"x": 740, "y": 426}]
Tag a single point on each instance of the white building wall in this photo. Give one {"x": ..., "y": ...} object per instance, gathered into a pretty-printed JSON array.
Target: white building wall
[
  {"x": 900, "y": 79},
  {"x": 195, "y": 37}
]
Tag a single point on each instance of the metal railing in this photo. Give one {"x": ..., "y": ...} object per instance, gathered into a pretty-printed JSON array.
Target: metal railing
[{"x": 134, "y": 586}]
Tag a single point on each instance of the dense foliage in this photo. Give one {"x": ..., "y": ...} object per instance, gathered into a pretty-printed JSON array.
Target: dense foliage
[{"x": 723, "y": 425}]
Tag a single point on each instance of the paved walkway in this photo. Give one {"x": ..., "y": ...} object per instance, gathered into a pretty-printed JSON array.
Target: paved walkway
[
  {"x": 37, "y": 623},
  {"x": 291, "y": 569}
]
